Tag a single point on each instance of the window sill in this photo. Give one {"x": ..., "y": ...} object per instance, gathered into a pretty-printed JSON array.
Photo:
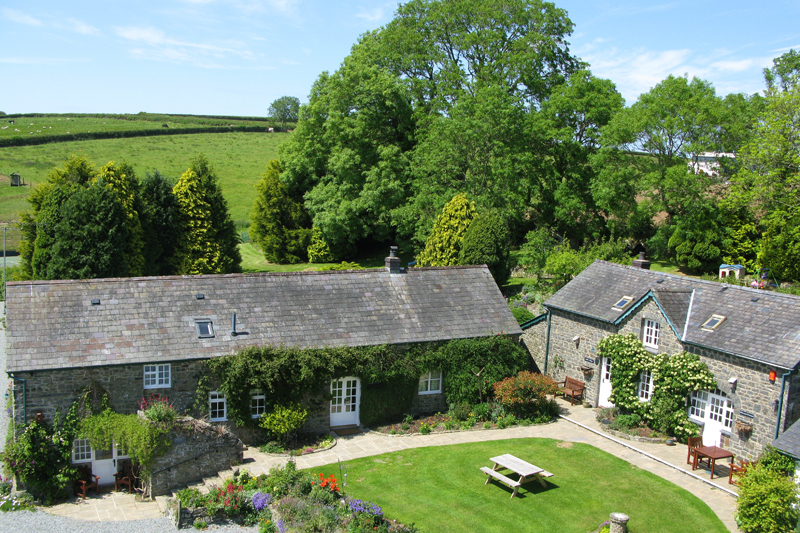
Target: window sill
[
  {"x": 651, "y": 349},
  {"x": 218, "y": 419},
  {"x": 254, "y": 417},
  {"x": 425, "y": 393},
  {"x": 151, "y": 387}
]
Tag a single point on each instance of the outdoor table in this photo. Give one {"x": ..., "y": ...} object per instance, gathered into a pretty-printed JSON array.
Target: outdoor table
[
  {"x": 711, "y": 452},
  {"x": 524, "y": 469}
]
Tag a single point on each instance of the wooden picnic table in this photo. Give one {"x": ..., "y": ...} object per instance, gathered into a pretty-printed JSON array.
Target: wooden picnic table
[
  {"x": 526, "y": 471},
  {"x": 712, "y": 453}
]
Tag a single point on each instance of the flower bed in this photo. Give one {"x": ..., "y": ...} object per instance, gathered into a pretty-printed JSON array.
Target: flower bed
[
  {"x": 302, "y": 444},
  {"x": 629, "y": 427},
  {"x": 286, "y": 501}
]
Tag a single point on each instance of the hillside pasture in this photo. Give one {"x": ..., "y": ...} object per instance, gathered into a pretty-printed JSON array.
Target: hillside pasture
[{"x": 240, "y": 159}]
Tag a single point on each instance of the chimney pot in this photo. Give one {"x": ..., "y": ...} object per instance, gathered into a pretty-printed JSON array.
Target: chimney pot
[
  {"x": 641, "y": 262},
  {"x": 393, "y": 262}
]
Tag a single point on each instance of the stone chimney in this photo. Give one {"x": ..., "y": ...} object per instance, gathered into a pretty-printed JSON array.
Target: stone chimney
[
  {"x": 641, "y": 262},
  {"x": 393, "y": 262}
]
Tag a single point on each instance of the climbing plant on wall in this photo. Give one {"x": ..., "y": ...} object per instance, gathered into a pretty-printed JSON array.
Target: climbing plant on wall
[
  {"x": 675, "y": 377},
  {"x": 389, "y": 374}
]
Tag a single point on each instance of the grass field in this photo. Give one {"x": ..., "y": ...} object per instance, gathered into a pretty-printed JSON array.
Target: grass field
[
  {"x": 61, "y": 124},
  {"x": 253, "y": 260},
  {"x": 240, "y": 160},
  {"x": 441, "y": 489}
]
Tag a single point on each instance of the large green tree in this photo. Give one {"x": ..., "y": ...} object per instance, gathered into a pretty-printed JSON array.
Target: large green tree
[
  {"x": 91, "y": 236},
  {"x": 488, "y": 242},
  {"x": 349, "y": 152},
  {"x": 769, "y": 181},
  {"x": 785, "y": 71},
  {"x": 647, "y": 147},
  {"x": 208, "y": 241},
  {"x": 284, "y": 109},
  {"x": 443, "y": 245},
  {"x": 122, "y": 180},
  {"x": 279, "y": 223},
  {"x": 159, "y": 218}
]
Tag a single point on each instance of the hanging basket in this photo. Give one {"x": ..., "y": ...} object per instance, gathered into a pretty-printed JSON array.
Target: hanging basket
[{"x": 743, "y": 427}]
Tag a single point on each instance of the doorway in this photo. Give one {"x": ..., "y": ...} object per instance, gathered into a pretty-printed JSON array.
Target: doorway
[
  {"x": 605, "y": 384},
  {"x": 345, "y": 399}
]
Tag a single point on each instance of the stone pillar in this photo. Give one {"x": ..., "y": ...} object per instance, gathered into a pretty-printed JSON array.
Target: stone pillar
[{"x": 619, "y": 522}]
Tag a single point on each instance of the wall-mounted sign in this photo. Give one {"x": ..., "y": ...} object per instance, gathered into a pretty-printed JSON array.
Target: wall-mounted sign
[
  {"x": 589, "y": 360},
  {"x": 746, "y": 414}
]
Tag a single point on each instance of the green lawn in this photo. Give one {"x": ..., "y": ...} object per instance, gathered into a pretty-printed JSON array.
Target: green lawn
[
  {"x": 441, "y": 490},
  {"x": 253, "y": 260},
  {"x": 240, "y": 160}
]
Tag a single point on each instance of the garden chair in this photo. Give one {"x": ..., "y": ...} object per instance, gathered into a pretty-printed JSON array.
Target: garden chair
[
  {"x": 124, "y": 476},
  {"x": 86, "y": 480},
  {"x": 694, "y": 442},
  {"x": 737, "y": 471}
]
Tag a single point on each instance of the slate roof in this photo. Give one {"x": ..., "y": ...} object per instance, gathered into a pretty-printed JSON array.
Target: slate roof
[
  {"x": 789, "y": 441},
  {"x": 53, "y": 324},
  {"x": 759, "y": 325}
]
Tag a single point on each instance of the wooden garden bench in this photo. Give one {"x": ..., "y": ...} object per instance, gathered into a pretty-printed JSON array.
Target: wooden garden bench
[{"x": 572, "y": 388}]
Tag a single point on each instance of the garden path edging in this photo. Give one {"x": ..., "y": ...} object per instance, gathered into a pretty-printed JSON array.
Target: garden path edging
[{"x": 653, "y": 457}]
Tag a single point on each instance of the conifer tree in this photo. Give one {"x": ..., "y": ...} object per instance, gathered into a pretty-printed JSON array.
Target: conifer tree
[
  {"x": 207, "y": 241},
  {"x": 444, "y": 243},
  {"x": 122, "y": 180},
  {"x": 159, "y": 223},
  {"x": 488, "y": 242}
]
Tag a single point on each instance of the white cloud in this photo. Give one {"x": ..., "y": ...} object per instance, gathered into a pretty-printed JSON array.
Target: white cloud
[
  {"x": 81, "y": 27},
  {"x": 795, "y": 47},
  {"x": 164, "y": 48},
  {"x": 372, "y": 16},
  {"x": 15, "y": 15}
]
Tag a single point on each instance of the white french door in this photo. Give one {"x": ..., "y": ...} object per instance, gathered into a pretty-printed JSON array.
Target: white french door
[
  {"x": 605, "y": 384},
  {"x": 715, "y": 411},
  {"x": 345, "y": 398},
  {"x": 104, "y": 464}
]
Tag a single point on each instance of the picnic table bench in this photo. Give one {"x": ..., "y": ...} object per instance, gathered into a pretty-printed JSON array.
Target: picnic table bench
[
  {"x": 524, "y": 469},
  {"x": 572, "y": 388}
]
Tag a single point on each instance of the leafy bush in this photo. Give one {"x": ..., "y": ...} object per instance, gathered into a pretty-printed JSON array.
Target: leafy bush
[
  {"x": 525, "y": 394},
  {"x": 344, "y": 265},
  {"x": 424, "y": 428},
  {"x": 319, "y": 251},
  {"x": 521, "y": 314},
  {"x": 772, "y": 459},
  {"x": 767, "y": 501},
  {"x": 460, "y": 411},
  {"x": 272, "y": 447},
  {"x": 158, "y": 409},
  {"x": 626, "y": 422},
  {"x": 284, "y": 421},
  {"x": 5, "y": 486},
  {"x": 482, "y": 411},
  {"x": 487, "y": 242},
  {"x": 191, "y": 497}
]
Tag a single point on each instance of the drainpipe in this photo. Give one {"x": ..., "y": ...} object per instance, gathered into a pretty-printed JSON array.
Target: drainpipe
[
  {"x": 547, "y": 343},
  {"x": 24, "y": 397},
  {"x": 780, "y": 402}
]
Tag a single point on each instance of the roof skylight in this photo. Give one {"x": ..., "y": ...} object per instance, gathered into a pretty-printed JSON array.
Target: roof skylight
[
  {"x": 205, "y": 328},
  {"x": 625, "y": 300},
  {"x": 713, "y": 323}
]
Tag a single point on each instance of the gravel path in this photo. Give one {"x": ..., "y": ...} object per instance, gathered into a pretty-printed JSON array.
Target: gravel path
[{"x": 41, "y": 522}]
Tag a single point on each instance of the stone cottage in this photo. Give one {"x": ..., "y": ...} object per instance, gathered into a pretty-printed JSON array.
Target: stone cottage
[
  {"x": 748, "y": 338},
  {"x": 137, "y": 336}
]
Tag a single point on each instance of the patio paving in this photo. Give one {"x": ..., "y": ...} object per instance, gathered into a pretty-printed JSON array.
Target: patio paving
[{"x": 577, "y": 425}]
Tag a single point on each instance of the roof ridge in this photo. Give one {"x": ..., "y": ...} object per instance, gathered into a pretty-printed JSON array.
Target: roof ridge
[
  {"x": 231, "y": 275},
  {"x": 687, "y": 279}
]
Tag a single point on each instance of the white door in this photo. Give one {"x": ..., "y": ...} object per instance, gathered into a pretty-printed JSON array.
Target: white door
[
  {"x": 715, "y": 411},
  {"x": 346, "y": 395},
  {"x": 104, "y": 464},
  {"x": 605, "y": 384}
]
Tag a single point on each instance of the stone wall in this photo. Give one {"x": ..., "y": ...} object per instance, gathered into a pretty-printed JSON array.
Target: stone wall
[
  {"x": 198, "y": 450},
  {"x": 534, "y": 339},
  {"x": 52, "y": 390},
  {"x": 668, "y": 342},
  {"x": 429, "y": 403}
]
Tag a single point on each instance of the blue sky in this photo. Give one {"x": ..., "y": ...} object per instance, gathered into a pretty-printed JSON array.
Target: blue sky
[{"x": 235, "y": 57}]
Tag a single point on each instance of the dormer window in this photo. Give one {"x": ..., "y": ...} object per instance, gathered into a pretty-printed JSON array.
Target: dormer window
[
  {"x": 205, "y": 329},
  {"x": 625, "y": 300},
  {"x": 713, "y": 323}
]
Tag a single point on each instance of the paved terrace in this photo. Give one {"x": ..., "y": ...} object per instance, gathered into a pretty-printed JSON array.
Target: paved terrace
[{"x": 577, "y": 425}]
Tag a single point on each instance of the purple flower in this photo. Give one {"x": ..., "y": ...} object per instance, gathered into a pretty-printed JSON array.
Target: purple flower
[
  {"x": 261, "y": 501},
  {"x": 360, "y": 506},
  {"x": 281, "y": 526}
]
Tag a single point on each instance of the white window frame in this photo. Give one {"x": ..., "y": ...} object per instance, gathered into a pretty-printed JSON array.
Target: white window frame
[
  {"x": 257, "y": 410},
  {"x": 427, "y": 381},
  {"x": 157, "y": 376},
  {"x": 216, "y": 397},
  {"x": 205, "y": 322},
  {"x": 719, "y": 320},
  {"x": 622, "y": 303},
  {"x": 698, "y": 404},
  {"x": 645, "y": 389},
  {"x": 651, "y": 331},
  {"x": 81, "y": 451}
]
